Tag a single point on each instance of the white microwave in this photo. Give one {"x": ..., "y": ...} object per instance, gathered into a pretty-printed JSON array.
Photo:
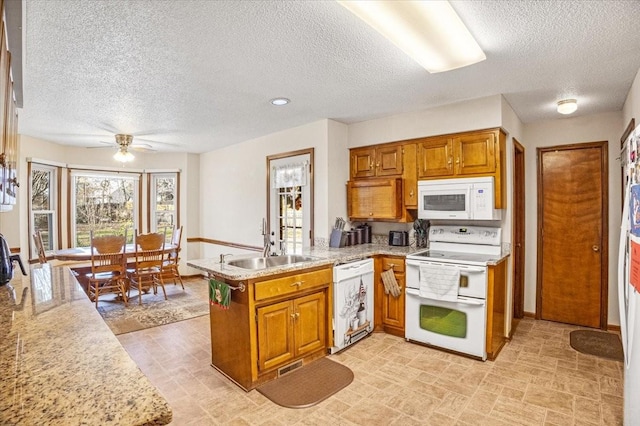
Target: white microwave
[{"x": 463, "y": 198}]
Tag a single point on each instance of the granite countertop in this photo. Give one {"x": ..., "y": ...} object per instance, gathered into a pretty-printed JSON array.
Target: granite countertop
[
  {"x": 324, "y": 256},
  {"x": 62, "y": 364}
]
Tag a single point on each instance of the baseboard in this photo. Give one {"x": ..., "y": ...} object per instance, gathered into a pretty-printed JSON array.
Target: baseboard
[{"x": 610, "y": 327}]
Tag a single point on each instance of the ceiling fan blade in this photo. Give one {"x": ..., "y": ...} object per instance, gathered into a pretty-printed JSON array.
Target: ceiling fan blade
[
  {"x": 158, "y": 142},
  {"x": 142, "y": 147},
  {"x": 106, "y": 145}
]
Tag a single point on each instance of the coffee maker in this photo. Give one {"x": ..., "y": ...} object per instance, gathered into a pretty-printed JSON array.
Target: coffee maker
[{"x": 6, "y": 262}]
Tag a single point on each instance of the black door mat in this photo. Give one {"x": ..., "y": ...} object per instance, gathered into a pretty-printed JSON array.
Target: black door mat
[{"x": 598, "y": 343}]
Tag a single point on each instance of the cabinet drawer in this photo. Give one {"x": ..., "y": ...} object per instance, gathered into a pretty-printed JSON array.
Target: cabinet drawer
[
  {"x": 292, "y": 284},
  {"x": 396, "y": 264}
]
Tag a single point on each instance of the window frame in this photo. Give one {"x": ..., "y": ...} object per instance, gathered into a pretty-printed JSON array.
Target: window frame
[
  {"x": 137, "y": 198},
  {"x": 54, "y": 197},
  {"x": 152, "y": 200}
]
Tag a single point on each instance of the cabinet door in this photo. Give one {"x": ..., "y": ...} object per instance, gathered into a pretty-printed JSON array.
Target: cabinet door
[
  {"x": 389, "y": 160},
  {"x": 475, "y": 153},
  {"x": 275, "y": 334},
  {"x": 393, "y": 307},
  {"x": 435, "y": 158},
  {"x": 310, "y": 323},
  {"x": 374, "y": 199},
  {"x": 410, "y": 176},
  {"x": 363, "y": 162}
]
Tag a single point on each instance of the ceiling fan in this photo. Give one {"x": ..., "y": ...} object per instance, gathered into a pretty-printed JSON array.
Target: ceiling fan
[{"x": 124, "y": 142}]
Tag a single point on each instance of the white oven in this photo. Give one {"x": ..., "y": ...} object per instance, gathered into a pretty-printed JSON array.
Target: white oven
[
  {"x": 463, "y": 198},
  {"x": 446, "y": 289}
]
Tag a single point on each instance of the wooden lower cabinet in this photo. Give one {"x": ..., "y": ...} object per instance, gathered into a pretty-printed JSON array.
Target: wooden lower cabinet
[
  {"x": 278, "y": 320},
  {"x": 289, "y": 329},
  {"x": 496, "y": 309},
  {"x": 390, "y": 308}
]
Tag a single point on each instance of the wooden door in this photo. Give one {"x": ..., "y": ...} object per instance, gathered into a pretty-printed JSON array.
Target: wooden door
[
  {"x": 518, "y": 230},
  {"x": 275, "y": 338},
  {"x": 435, "y": 158},
  {"x": 572, "y": 234},
  {"x": 363, "y": 162},
  {"x": 475, "y": 153},
  {"x": 389, "y": 160},
  {"x": 310, "y": 323}
]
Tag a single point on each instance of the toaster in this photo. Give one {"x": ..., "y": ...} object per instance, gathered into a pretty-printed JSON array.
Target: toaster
[{"x": 398, "y": 238}]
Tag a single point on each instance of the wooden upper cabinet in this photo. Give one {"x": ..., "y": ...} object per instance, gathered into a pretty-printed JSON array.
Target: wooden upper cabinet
[
  {"x": 475, "y": 153},
  {"x": 374, "y": 199},
  {"x": 435, "y": 157},
  {"x": 410, "y": 176},
  {"x": 376, "y": 161}
]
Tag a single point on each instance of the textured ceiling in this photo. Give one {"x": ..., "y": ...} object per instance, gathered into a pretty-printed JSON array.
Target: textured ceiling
[{"x": 193, "y": 76}]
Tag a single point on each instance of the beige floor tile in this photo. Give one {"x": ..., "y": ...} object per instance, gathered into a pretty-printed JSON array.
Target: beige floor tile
[{"x": 396, "y": 383}]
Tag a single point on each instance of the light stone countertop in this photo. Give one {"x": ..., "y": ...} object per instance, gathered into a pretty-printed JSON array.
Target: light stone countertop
[
  {"x": 325, "y": 256},
  {"x": 60, "y": 362}
]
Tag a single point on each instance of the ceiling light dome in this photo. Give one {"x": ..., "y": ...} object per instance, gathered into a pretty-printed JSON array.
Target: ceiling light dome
[
  {"x": 280, "y": 101},
  {"x": 567, "y": 106}
]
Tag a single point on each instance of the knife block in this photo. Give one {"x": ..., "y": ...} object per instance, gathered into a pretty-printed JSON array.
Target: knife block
[{"x": 337, "y": 239}]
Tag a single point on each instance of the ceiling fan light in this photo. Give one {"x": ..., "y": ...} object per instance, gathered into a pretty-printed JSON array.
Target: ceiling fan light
[
  {"x": 567, "y": 106},
  {"x": 430, "y": 32},
  {"x": 123, "y": 156}
]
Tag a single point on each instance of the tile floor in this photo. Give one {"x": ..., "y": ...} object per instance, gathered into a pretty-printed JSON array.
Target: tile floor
[{"x": 538, "y": 379}]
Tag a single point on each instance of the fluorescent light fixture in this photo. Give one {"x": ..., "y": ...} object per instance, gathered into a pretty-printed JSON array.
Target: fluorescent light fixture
[
  {"x": 430, "y": 32},
  {"x": 567, "y": 106},
  {"x": 123, "y": 155},
  {"x": 280, "y": 101}
]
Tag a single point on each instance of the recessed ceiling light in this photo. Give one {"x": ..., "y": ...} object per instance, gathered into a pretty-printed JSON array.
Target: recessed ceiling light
[
  {"x": 567, "y": 106},
  {"x": 280, "y": 101}
]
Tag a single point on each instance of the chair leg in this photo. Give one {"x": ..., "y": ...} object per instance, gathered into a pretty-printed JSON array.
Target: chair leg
[{"x": 155, "y": 284}]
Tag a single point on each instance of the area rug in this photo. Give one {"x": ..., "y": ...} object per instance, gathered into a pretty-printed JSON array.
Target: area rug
[
  {"x": 308, "y": 385},
  {"x": 598, "y": 343},
  {"x": 180, "y": 305}
]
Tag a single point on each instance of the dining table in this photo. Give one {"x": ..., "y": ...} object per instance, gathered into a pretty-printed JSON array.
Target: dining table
[{"x": 81, "y": 254}]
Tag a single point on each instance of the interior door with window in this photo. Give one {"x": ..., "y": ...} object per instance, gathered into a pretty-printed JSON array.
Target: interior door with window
[{"x": 290, "y": 203}]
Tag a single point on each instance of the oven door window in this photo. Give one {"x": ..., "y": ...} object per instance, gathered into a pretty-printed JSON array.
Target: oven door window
[{"x": 442, "y": 320}]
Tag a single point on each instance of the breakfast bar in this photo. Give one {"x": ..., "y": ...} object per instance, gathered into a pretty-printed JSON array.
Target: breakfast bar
[{"x": 62, "y": 364}]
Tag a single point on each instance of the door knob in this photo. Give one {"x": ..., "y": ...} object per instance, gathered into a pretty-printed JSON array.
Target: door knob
[{"x": 595, "y": 248}]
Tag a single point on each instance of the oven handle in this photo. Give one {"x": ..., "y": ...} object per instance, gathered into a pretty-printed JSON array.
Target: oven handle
[
  {"x": 465, "y": 268},
  {"x": 463, "y": 300}
]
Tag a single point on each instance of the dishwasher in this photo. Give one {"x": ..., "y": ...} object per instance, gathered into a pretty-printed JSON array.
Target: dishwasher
[{"x": 352, "y": 303}]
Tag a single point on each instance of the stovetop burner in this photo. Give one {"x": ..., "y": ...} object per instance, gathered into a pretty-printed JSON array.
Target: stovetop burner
[{"x": 455, "y": 257}]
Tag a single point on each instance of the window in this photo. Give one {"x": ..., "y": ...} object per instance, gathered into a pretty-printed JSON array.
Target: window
[
  {"x": 290, "y": 201},
  {"x": 105, "y": 203},
  {"x": 43, "y": 218},
  {"x": 164, "y": 202}
]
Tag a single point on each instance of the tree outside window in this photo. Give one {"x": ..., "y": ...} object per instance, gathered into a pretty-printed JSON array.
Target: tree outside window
[{"x": 104, "y": 204}]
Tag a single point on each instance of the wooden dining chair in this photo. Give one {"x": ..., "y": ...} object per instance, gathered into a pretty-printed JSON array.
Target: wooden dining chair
[
  {"x": 146, "y": 273},
  {"x": 37, "y": 240},
  {"x": 170, "y": 265},
  {"x": 108, "y": 267}
]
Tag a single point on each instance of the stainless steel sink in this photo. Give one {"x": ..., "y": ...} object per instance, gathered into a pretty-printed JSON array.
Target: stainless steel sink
[{"x": 268, "y": 262}]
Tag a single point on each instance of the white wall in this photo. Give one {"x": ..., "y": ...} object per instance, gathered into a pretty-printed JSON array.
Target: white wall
[
  {"x": 631, "y": 107},
  {"x": 233, "y": 185},
  {"x": 600, "y": 127}
]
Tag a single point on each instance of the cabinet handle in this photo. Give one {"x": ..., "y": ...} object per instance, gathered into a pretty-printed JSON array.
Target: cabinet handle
[
  {"x": 371, "y": 165},
  {"x": 371, "y": 214},
  {"x": 449, "y": 163},
  {"x": 297, "y": 284},
  {"x": 295, "y": 315},
  {"x": 378, "y": 164},
  {"x": 458, "y": 160},
  {"x": 411, "y": 193}
]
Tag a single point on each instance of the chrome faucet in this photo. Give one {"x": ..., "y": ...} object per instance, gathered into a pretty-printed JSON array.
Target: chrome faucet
[
  {"x": 267, "y": 240},
  {"x": 283, "y": 248},
  {"x": 223, "y": 256}
]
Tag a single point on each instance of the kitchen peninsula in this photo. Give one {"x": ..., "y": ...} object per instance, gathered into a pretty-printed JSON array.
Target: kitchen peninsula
[
  {"x": 281, "y": 317},
  {"x": 62, "y": 364}
]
